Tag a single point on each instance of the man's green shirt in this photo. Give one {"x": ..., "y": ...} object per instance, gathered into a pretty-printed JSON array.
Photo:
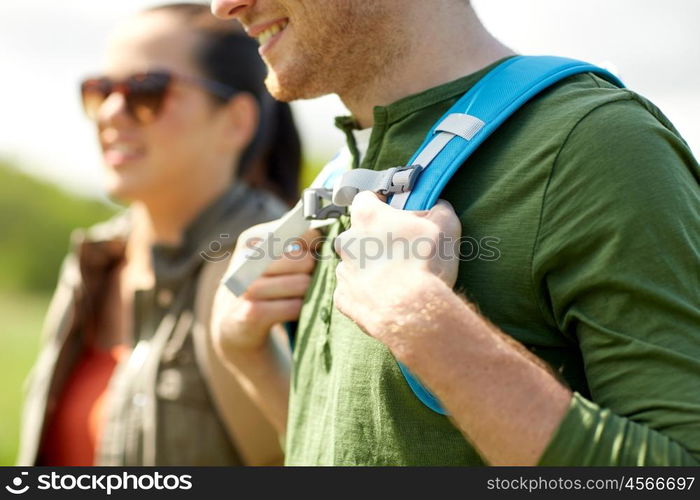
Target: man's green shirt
[{"x": 581, "y": 222}]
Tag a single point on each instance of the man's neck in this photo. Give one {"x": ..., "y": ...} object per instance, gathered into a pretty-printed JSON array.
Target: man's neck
[{"x": 442, "y": 50}]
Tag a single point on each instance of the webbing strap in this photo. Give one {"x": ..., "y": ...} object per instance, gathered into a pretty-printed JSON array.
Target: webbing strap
[
  {"x": 431, "y": 150},
  {"x": 251, "y": 265},
  {"x": 455, "y": 124},
  {"x": 360, "y": 179},
  {"x": 459, "y": 124}
]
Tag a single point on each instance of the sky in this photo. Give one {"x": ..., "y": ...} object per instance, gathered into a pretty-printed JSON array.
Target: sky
[{"x": 47, "y": 46}]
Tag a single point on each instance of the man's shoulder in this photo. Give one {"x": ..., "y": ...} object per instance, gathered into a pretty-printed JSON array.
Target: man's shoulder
[
  {"x": 618, "y": 128},
  {"x": 560, "y": 107},
  {"x": 590, "y": 99},
  {"x": 592, "y": 120}
]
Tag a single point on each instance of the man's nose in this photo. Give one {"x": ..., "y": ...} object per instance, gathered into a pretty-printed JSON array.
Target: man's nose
[{"x": 230, "y": 9}]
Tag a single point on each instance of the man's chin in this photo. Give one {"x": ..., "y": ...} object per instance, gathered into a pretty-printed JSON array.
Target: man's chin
[{"x": 286, "y": 90}]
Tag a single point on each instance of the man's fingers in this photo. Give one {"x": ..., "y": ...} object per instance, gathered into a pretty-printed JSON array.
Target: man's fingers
[
  {"x": 369, "y": 197},
  {"x": 443, "y": 214},
  {"x": 278, "y": 287},
  {"x": 366, "y": 206},
  {"x": 273, "y": 311},
  {"x": 292, "y": 263}
]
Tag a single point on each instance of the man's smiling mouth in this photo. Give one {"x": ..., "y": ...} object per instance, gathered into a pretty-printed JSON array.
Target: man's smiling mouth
[{"x": 268, "y": 33}]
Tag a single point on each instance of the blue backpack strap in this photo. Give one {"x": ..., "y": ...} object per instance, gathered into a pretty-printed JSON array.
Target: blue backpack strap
[{"x": 467, "y": 125}]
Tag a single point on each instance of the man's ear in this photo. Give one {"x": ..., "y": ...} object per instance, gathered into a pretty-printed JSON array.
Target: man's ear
[{"x": 242, "y": 115}]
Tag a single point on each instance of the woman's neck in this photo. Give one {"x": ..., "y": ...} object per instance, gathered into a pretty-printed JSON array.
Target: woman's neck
[{"x": 161, "y": 223}]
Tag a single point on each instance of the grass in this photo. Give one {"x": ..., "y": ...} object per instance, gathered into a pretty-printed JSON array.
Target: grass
[{"x": 21, "y": 316}]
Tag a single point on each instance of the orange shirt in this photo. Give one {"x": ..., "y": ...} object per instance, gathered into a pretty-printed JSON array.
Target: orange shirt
[{"x": 73, "y": 433}]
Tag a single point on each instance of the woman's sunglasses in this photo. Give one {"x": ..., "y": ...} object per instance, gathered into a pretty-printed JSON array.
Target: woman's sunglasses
[{"x": 143, "y": 93}]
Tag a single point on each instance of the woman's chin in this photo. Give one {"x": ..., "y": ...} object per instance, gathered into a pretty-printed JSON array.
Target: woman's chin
[{"x": 121, "y": 190}]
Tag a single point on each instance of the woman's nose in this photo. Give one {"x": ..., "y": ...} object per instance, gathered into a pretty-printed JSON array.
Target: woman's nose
[
  {"x": 113, "y": 110},
  {"x": 230, "y": 9}
]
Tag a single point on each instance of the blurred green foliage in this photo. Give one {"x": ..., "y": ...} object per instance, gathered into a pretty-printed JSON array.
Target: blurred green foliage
[
  {"x": 309, "y": 170},
  {"x": 36, "y": 219},
  {"x": 22, "y": 315}
]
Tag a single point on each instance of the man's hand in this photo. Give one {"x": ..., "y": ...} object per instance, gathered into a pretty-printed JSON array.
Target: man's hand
[
  {"x": 244, "y": 323},
  {"x": 385, "y": 256}
]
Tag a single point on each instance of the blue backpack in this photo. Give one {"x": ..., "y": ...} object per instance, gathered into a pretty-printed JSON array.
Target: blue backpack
[{"x": 447, "y": 146}]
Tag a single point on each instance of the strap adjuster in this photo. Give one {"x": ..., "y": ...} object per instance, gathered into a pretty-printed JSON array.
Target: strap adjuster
[
  {"x": 394, "y": 180},
  {"x": 318, "y": 206},
  {"x": 403, "y": 178},
  {"x": 324, "y": 203}
]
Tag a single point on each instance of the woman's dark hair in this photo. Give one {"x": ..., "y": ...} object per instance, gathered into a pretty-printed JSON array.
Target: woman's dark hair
[{"x": 227, "y": 55}]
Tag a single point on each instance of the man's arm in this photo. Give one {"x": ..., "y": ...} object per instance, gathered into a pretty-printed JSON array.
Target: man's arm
[
  {"x": 637, "y": 322},
  {"x": 618, "y": 255},
  {"x": 502, "y": 398}
]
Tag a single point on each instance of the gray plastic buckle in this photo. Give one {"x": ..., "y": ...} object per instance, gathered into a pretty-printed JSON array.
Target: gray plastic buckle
[
  {"x": 395, "y": 180},
  {"x": 318, "y": 206},
  {"x": 403, "y": 179}
]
